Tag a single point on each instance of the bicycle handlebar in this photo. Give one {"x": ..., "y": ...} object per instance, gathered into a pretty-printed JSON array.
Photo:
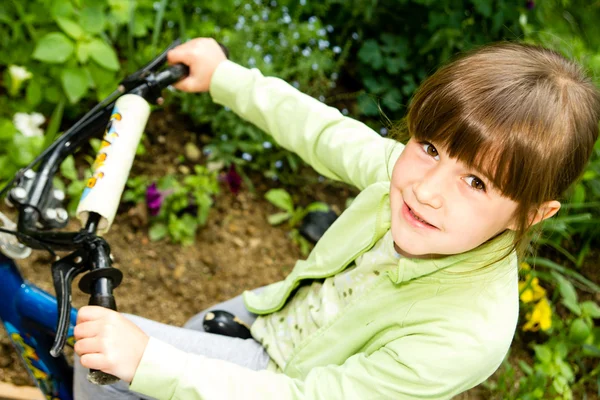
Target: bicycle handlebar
[
  {"x": 126, "y": 112},
  {"x": 40, "y": 206}
]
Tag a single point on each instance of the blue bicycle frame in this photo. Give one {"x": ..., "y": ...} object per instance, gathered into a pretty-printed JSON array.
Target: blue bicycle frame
[{"x": 30, "y": 315}]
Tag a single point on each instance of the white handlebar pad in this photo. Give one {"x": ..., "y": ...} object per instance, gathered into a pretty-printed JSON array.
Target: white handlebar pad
[{"x": 111, "y": 168}]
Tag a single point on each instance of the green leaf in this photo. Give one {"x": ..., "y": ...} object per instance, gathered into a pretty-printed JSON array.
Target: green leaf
[
  {"x": 591, "y": 351},
  {"x": 75, "y": 83},
  {"x": 103, "y": 54},
  {"x": 578, "y": 196},
  {"x": 544, "y": 262},
  {"x": 61, "y": 8},
  {"x": 484, "y": 7},
  {"x": 526, "y": 368},
  {"x": 281, "y": 199},
  {"x": 367, "y": 105},
  {"x": 370, "y": 54},
  {"x": 54, "y": 125},
  {"x": 317, "y": 206},
  {"x": 70, "y": 27},
  {"x": 33, "y": 93},
  {"x": 579, "y": 331},
  {"x": 83, "y": 52},
  {"x": 157, "y": 231},
  {"x": 100, "y": 76},
  {"x": 395, "y": 65},
  {"x": 278, "y": 218},
  {"x": 53, "y": 48},
  {"x": 92, "y": 19},
  {"x": 590, "y": 309},
  {"x": 543, "y": 353},
  {"x": 566, "y": 288},
  {"x": 7, "y": 129},
  {"x": 67, "y": 169}
]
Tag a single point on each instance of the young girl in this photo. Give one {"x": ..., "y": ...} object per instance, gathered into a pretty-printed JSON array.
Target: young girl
[{"x": 412, "y": 292}]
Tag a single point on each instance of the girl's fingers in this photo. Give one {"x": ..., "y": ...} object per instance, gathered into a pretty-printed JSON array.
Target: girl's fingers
[
  {"x": 87, "y": 329},
  {"x": 186, "y": 85},
  {"x": 94, "y": 361},
  {"x": 88, "y": 346},
  {"x": 91, "y": 313}
]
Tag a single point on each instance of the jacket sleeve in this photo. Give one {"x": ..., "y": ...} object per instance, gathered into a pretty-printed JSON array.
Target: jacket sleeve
[
  {"x": 413, "y": 367},
  {"x": 337, "y": 147}
]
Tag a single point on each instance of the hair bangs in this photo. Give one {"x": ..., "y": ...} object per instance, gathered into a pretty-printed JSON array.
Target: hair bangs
[{"x": 497, "y": 152}]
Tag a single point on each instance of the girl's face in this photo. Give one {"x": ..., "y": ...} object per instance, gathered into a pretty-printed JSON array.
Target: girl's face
[{"x": 439, "y": 206}]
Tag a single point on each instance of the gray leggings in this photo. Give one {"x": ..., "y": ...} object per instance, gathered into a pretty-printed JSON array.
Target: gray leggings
[{"x": 191, "y": 338}]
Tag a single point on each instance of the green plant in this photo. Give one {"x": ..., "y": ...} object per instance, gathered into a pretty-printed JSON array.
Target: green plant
[
  {"x": 565, "y": 348},
  {"x": 274, "y": 38},
  {"x": 184, "y": 205},
  {"x": 292, "y": 214}
]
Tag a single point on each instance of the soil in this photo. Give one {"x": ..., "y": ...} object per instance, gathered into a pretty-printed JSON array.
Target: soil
[{"x": 237, "y": 250}]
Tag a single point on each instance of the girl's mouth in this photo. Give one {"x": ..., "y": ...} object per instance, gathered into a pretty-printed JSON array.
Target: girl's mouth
[{"x": 414, "y": 219}]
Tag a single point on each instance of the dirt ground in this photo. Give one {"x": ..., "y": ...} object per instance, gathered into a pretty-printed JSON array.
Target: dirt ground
[{"x": 237, "y": 250}]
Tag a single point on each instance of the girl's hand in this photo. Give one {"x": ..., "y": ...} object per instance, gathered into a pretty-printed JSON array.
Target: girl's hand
[
  {"x": 109, "y": 342},
  {"x": 202, "y": 55}
]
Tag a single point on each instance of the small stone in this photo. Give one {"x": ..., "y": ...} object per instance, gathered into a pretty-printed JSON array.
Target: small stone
[
  {"x": 238, "y": 242},
  {"x": 192, "y": 152},
  {"x": 161, "y": 139},
  {"x": 178, "y": 272},
  {"x": 184, "y": 169}
]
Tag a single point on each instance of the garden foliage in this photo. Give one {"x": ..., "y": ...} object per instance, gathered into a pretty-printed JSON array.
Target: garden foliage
[{"x": 366, "y": 57}]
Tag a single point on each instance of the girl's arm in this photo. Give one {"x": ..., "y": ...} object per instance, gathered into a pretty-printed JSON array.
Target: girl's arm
[
  {"x": 434, "y": 365},
  {"x": 414, "y": 367},
  {"x": 336, "y": 146}
]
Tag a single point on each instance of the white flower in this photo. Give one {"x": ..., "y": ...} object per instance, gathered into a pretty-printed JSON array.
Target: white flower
[
  {"x": 18, "y": 75},
  {"x": 29, "y": 124}
]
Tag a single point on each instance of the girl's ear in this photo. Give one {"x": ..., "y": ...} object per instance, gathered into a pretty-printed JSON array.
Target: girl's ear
[{"x": 544, "y": 211}]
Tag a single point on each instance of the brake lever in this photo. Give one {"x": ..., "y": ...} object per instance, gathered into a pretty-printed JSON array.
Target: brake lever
[{"x": 63, "y": 273}]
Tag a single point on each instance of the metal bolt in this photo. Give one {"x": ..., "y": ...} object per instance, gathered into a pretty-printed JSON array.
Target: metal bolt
[
  {"x": 78, "y": 260},
  {"x": 50, "y": 213},
  {"x": 29, "y": 174},
  {"x": 19, "y": 193},
  {"x": 59, "y": 194},
  {"x": 62, "y": 215}
]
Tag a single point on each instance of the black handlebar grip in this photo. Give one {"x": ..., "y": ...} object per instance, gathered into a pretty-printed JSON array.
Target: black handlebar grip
[
  {"x": 178, "y": 71},
  {"x": 95, "y": 376}
]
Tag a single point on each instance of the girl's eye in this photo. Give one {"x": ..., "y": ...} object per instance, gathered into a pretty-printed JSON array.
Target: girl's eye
[
  {"x": 475, "y": 183},
  {"x": 430, "y": 150}
]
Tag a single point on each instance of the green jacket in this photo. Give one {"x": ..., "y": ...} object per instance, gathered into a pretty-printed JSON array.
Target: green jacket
[{"x": 429, "y": 329}]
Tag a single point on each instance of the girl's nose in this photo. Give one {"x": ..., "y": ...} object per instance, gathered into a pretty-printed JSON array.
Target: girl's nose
[{"x": 428, "y": 190}]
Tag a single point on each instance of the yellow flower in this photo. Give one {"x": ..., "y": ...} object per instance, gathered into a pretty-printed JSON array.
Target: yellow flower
[
  {"x": 540, "y": 317},
  {"x": 531, "y": 290}
]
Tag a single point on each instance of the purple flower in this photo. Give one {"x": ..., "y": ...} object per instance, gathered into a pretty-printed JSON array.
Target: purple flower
[
  {"x": 530, "y": 4},
  {"x": 154, "y": 199},
  {"x": 233, "y": 179}
]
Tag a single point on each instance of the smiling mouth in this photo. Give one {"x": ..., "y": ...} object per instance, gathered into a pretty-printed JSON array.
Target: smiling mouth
[{"x": 418, "y": 218}]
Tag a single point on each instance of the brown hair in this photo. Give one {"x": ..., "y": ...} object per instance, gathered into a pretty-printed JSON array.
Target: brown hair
[{"x": 522, "y": 115}]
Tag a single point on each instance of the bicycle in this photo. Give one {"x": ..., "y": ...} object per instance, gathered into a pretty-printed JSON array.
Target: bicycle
[{"x": 39, "y": 324}]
